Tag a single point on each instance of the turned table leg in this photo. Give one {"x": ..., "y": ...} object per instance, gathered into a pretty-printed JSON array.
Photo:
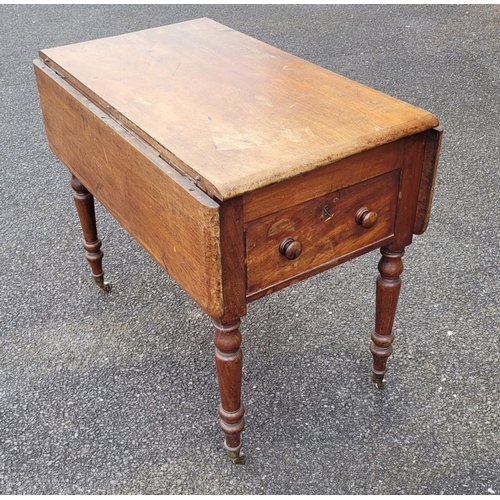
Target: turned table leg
[
  {"x": 84, "y": 202},
  {"x": 388, "y": 286},
  {"x": 228, "y": 361}
]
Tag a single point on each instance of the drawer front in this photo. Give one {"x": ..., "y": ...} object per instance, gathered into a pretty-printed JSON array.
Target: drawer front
[{"x": 288, "y": 243}]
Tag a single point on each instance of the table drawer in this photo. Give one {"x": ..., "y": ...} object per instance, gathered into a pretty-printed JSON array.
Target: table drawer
[{"x": 288, "y": 243}]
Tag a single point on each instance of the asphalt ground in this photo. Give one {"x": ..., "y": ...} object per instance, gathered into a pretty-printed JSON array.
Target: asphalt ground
[{"x": 116, "y": 393}]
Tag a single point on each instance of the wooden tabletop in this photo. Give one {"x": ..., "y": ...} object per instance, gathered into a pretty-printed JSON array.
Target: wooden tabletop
[{"x": 230, "y": 111}]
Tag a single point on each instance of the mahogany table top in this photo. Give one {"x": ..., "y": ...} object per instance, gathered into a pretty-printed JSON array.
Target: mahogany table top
[{"x": 233, "y": 113}]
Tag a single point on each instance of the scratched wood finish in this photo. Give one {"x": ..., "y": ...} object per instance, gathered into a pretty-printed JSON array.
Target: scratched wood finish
[
  {"x": 341, "y": 174},
  {"x": 325, "y": 227},
  {"x": 293, "y": 158},
  {"x": 232, "y": 248},
  {"x": 172, "y": 219},
  {"x": 427, "y": 181},
  {"x": 233, "y": 112},
  {"x": 413, "y": 154}
]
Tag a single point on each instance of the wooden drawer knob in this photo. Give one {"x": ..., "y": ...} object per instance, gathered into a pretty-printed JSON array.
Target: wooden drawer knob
[
  {"x": 290, "y": 248},
  {"x": 366, "y": 218}
]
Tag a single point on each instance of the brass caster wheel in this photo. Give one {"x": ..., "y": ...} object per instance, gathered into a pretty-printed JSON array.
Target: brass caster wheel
[
  {"x": 378, "y": 380},
  {"x": 235, "y": 454},
  {"x": 103, "y": 285},
  {"x": 237, "y": 458}
]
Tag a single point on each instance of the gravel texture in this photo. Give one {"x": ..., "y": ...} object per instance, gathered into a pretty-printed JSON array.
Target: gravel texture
[{"x": 116, "y": 393}]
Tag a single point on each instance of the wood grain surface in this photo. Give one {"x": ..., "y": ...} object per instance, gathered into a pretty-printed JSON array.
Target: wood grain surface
[
  {"x": 173, "y": 220},
  {"x": 427, "y": 181},
  {"x": 324, "y": 235},
  {"x": 341, "y": 174},
  {"x": 232, "y": 112}
]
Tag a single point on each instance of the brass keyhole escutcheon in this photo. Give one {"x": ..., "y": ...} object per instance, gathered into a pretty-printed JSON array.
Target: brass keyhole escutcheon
[
  {"x": 366, "y": 217},
  {"x": 290, "y": 248}
]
